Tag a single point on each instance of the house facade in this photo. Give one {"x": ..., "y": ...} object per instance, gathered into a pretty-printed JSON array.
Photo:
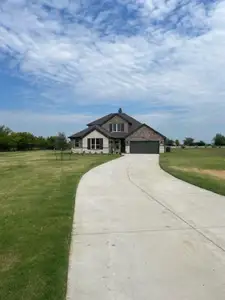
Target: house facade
[{"x": 117, "y": 133}]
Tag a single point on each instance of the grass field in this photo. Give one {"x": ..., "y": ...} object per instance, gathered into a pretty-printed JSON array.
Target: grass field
[
  {"x": 36, "y": 203},
  {"x": 201, "y": 167}
]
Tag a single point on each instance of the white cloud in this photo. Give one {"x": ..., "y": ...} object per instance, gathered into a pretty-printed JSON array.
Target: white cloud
[
  {"x": 43, "y": 123},
  {"x": 159, "y": 65}
]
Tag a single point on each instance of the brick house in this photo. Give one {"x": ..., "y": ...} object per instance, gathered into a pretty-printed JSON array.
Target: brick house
[{"x": 117, "y": 133}]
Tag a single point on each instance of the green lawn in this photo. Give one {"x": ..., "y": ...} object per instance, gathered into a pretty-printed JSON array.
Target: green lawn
[
  {"x": 201, "y": 167},
  {"x": 36, "y": 203}
]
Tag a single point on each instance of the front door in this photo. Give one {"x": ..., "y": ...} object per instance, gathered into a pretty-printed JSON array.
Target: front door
[{"x": 123, "y": 146}]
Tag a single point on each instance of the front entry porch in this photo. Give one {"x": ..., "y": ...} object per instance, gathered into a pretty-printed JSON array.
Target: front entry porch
[{"x": 117, "y": 146}]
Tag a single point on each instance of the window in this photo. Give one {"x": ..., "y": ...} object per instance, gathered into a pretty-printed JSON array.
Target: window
[
  {"x": 116, "y": 127},
  {"x": 99, "y": 144},
  {"x": 120, "y": 127},
  {"x": 77, "y": 143},
  {"x": 95, "y": 144}
]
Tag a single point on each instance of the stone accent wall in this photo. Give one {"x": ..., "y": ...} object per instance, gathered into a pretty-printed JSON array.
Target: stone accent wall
[
  {"x": 145, "y": 133},
  {"x": 116, "y": 120}
]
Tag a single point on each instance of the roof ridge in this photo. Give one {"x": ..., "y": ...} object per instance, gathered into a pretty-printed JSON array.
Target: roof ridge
[
  {"x": 89, "y": 129},
  {"x": 106, "y": 117}
]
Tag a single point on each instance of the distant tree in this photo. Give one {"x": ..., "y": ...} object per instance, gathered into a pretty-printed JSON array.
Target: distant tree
[
  {"x": 4, "y": 142},
  {"x": 170, "y": 142},
  {"x": 4, "y": 130},
  {"x": 22, "y": 141},
  {"x": 40, "y": 143},
  {"x": 219, "y": 140},
  {"x": 189, "y": 141},
  {"x": 177, "y": 143},
  {"x": 51, "y": 142},
  {"x": 61, "y": 141},
  {"x": 5, "y": 133},
  {"x": 12, "y": 141},
  {"x": 200, "y": 143}
]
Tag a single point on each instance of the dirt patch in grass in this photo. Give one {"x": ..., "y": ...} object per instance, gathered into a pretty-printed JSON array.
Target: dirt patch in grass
[
  {"x": 8, "y": 261},
  {"x": 216, "y": 173},
  {"x": 201, "y": 167}
]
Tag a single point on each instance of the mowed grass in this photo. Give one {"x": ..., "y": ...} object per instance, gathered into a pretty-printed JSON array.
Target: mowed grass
[
  {"x": 37, "y": 195},
  {"x": 202, "y": 167}
]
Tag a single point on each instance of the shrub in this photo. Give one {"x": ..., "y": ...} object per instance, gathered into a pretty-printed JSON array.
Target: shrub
[{"x": 168, "y": 149}]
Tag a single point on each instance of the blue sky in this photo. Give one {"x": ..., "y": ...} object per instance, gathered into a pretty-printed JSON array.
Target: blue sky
[{"x": 64, "y": 63}]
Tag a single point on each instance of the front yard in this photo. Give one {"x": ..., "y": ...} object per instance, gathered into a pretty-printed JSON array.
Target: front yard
[
  {"x": 201, "y": 167},
  {"x": 36, "y": 203}
]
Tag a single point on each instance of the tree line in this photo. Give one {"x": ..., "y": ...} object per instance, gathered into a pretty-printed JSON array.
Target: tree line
[
  {"x": 218, "y": 140},
  {"x": 22, "y": 141}
]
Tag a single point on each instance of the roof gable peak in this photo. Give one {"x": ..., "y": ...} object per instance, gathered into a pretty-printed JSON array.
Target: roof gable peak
[{"x": 106, "y": 118}]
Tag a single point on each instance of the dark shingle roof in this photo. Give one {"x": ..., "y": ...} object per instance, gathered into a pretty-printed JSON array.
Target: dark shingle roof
[
  {"x": 102, "y": 120},
  {"x": 96, "y": 125},
  {"x": 133, "y": 122},
  {"x": 118, "y": 135},
  {"x": 86, "y": 131}
]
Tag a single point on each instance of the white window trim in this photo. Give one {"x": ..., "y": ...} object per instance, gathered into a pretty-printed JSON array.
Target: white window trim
[
  {"x": 94, "y": 145},
  {"x": 117, "y": 127},
  {"x": 77, "y": 141}
]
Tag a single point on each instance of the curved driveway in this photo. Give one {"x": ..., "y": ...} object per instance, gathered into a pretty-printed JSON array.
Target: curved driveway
[{"x": 142, "y": 234}]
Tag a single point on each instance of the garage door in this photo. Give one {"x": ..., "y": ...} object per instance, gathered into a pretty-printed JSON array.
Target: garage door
[{"x": 144, "y": 147}]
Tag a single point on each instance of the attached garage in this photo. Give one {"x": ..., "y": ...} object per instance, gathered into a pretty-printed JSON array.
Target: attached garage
[{"x": 144, "y": 147}]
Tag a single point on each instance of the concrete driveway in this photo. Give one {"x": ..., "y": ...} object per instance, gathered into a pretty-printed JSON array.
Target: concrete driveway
[{"x": 141, "y": 234}]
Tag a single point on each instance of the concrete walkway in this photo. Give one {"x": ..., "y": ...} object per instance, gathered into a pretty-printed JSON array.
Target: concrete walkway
[{"x": 141, "y": 234}]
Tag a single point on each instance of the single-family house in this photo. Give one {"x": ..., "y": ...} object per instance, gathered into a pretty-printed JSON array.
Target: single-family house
[{"x": 117, "y": 133}]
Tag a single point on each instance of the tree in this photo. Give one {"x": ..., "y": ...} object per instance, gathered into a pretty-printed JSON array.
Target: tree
[
  {"x": 200, "y": 143},
  {"x": 61, "y": 141},
  {"x": 4, "y": 130},
  {"x": 4, "y": 142},
  {"x": 51, "y": 142},
  {"x": 13, "y": 141},
  {"x": 177, "y": 143},
  {"x": 219, "y": 140},
  {"x": 188, "y": 141},
  {"x": 169, "y": 142},
  {"x": 40, "y": 142},
  {"x": 5, "y": 133},
  {"x": 22, "y": 141}
]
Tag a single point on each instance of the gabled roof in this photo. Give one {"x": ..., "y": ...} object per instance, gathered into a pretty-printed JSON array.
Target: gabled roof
[
  {"x": 143, "y": 124},
  {"x": 106, "y": 118},
  {"x": 97, "y": 125},
  {"x": 102, "y": 120},
  {"x": 83, "y": 133}
]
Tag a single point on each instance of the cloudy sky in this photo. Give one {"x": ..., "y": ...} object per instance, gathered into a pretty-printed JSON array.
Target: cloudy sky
[{"x": 64, "y": 63}]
